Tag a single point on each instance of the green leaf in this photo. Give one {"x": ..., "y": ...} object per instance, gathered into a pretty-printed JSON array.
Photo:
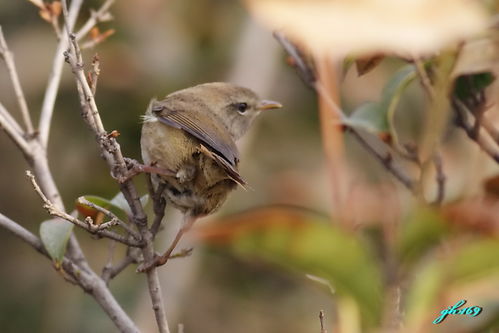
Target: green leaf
[
  {"x": 467, "y": 86},
  {"x": 370, "y": 116},
  {"x": 422, "y": 231},
  {"x": 378, "y": 117},
  {"x": 101, "y": 202},
  {"x": 55, "y": 234},
  {"x": 120, "y": 202},
  {"x": 475, "y": 260},
  {"x": 302, "y": 242}
]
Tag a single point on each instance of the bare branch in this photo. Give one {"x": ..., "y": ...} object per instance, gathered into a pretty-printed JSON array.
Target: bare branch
[
  {"x": 440, "y": 179},
  {"x": 163, "y": 259},
  {"x": 322, "y": 317},
  {"x": 13, "y": 130},
  {"x": 111, "y": 215},
  {"x": 385, "y": 159},
  {"x": 8, "y": 57},
  {"x": 462, "y": 121},
  {"x": 112, "y": 154},
  {"x": 424, "y": 78},
  {"x": 110, "y": 272},
  {"x": 55, "y": 76},
  {"x": 95, "y": 17},
  {"x": 25, "y": 235},
  {"x": 87, "y": 224}
]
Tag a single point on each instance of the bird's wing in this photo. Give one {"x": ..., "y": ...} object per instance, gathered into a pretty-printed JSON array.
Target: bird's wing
[{"x": 212, "y": 134}]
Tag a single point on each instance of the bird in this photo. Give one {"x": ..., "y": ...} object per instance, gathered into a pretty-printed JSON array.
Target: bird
[{"x": 192, "y": 135}]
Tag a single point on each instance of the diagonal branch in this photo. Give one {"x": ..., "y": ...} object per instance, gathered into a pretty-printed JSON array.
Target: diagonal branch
[
  {"x": 13, "y": 130},
  {"x": 20, "y": 232},
  {"x": 95, "y": 17},
  {"x": 307, "y": 73},
  {"x": 55, "y": 77},
  {"x": 8, "y": 57}
]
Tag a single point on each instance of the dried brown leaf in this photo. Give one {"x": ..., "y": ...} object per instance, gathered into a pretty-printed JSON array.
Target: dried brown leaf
[
  {"x": 56, "y": 9},
  {"x": 366, "y": 64}
]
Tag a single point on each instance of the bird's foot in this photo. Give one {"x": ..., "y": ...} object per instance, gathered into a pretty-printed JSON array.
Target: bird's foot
[
  {"x": 134, "y": 168},
  {"x": 160, "y": 260}
]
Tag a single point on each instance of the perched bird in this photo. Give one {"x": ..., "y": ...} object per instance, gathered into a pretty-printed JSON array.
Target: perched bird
[{"x": 192, "y": 134}]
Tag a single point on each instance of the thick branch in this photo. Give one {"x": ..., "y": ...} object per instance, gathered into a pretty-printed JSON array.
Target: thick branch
[{"x": 25, "y": 235}]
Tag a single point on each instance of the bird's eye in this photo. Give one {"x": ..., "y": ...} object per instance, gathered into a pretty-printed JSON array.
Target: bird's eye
[{"x": 242, "y": 107}]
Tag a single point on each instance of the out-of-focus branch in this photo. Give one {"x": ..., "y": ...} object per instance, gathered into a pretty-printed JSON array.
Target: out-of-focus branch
[
  {"x": 440, "y": 178},
  {"x": 307, "y": 73},
  {"x": 386, "y": 159},
  {"x": 17, "y": 230},
  {"x": 462, "y": 120},
  {"x": 10, "y": 126},
  {"x": 102, "y": 14},
  {"x": 116, "y": 162},
  {"x": 110, "y": 272},
  {"x": 55, "y": 77},
  {"x": 8, "y": 57}
]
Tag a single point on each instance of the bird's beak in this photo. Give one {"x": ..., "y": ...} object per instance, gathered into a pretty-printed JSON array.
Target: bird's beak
[{"x": 268, "y": 105}]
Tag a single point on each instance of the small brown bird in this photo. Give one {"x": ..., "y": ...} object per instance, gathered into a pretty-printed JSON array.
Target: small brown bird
[{"x": 192, "y": 133}]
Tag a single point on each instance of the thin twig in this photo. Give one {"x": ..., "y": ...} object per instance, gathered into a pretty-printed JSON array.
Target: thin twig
[
  {"x": 111, "y": 215},
  {"x": 322, "y": 317},
  {"x": 440, "y": 179},
  {"x": 87, "y": 225},
  {"x": 110, "y": 272},
  {"x": 385, "y": 159},
  {"x": 8, "y": 57},
  {"x": 94, "y": 73},
  {"x": 95, "y": 17},
  {"x": 490, "y": 128},
  {"x": 424, "y": 78},
  {"x": 55, "y": 77},
  {"x": 462, "y": 121},
  {"x": 163, "y": 259}
]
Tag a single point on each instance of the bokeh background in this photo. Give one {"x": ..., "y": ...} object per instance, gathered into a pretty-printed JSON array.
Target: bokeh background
[{"x": 162, "y": 46}]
